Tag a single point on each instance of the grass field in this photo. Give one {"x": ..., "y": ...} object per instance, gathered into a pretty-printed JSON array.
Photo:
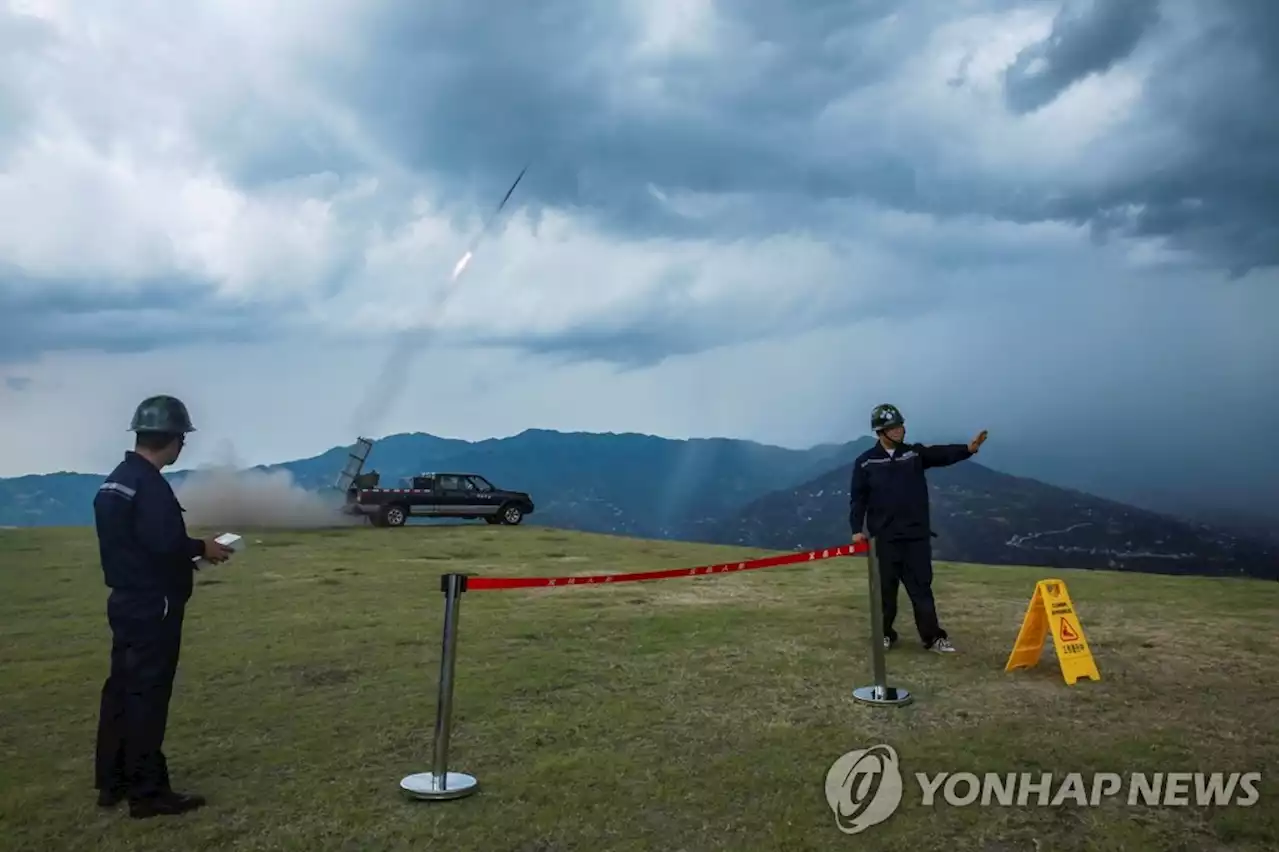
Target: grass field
[{"x": 688, "y": 714}]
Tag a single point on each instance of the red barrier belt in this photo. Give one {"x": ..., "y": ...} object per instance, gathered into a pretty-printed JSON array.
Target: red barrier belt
[{"x": 481, "y": 583}]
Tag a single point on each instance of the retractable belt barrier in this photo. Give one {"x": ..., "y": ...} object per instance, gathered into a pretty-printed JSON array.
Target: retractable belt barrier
[
  {"x": 475, "y": 584},
  {"x": 440, "y": 783}
]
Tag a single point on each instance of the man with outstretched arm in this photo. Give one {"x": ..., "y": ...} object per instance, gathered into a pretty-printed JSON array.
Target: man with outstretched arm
[
  {"x": 148, "y": 562},
  {"x": 889, "y": 495}
]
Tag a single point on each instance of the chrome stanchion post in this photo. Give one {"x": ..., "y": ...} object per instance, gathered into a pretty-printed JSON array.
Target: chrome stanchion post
[
  {"x": 440, "y": 783},
  {"x": 879, "y": 692}
]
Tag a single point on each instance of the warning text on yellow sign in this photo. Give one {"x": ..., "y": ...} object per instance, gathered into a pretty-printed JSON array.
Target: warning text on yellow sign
[{"x": 1052, "y": 612}]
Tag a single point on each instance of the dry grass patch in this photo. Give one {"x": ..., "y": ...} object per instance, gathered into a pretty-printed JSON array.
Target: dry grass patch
[{"x": 693, "y": 713}]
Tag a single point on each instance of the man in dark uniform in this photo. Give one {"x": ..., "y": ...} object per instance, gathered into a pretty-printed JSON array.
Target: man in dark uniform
[
  {"x": 890, "y": 494},
  {"x": 148, "y": 562}
]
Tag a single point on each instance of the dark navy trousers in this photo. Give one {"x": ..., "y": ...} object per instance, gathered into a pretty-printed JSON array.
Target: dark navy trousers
[
  {"x": 146, "y": 636},
  {"x": 910, "y": 564}
]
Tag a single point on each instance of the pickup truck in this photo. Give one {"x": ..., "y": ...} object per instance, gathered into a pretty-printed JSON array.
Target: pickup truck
[{"x": 435, "y": 495}]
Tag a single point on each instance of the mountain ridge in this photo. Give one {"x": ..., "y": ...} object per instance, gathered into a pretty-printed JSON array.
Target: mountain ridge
[
  {"x": 981, "y": 515},
  {"x": 732, "y": 491}
]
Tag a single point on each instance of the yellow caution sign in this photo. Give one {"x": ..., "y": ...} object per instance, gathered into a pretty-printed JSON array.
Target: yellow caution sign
[{"x": 1051, "y": 611}]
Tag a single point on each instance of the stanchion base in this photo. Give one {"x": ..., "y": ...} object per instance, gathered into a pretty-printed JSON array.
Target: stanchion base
[
  {"x": 427, "y": 786},
  {"x": 887, "y": 695}
]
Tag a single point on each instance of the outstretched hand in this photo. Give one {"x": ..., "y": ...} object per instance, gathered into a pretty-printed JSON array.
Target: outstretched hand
[{"x": 978, "y": 441}]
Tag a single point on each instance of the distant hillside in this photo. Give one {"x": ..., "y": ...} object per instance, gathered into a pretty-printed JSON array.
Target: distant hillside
[
  {"x": 617, "y": 483},
  {"x": 740, "y": 492},
  {"x": 1257, "y": 526},
  {"x": 50, "y": 499},
  {"x": 626, "y": 484},
  {"x": 983, "y": 516}
]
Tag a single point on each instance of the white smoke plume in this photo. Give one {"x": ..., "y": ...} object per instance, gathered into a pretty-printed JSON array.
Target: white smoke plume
[
  {"x": 226, "y": 497},
  {"x": 385, "y": 390}
]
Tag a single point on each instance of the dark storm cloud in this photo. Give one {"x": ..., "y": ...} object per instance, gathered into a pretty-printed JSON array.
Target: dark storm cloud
[
  {"x": 667, "y": 324},
  {"x": 1089, "y": 36},
  {"x": 258, "y": 147},
  {"x": 469, "y": 96},
  {"x": 454, "y": 91},
  {"x": 1213, "y": 192},
  {"x": 43, "y": 316}
]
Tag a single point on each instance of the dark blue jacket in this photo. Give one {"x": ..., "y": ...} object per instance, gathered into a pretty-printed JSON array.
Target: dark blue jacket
[
  {"x": 891, "y": 492},
  {"x": 142, "y": 537}
]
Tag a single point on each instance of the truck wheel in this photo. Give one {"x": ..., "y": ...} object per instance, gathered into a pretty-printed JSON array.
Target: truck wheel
[
  {"x": 511, "y": 515},
  {"x": 393, "y": 516}
]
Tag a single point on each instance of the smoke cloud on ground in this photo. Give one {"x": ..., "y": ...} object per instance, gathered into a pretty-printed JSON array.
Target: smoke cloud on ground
[
  {"x": 226, "y": 498},
  {"x": 237, "y": 499}
]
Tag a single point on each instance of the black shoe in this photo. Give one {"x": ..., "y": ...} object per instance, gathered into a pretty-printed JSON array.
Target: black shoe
[
  {"x": 110, "y": 797},
  {"x": 164, "y": 804}
]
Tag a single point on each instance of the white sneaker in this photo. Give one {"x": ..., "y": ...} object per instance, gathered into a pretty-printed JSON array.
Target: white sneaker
[
  {"x": 888, "y": 643},
  {"x": 942, "y": 646}
]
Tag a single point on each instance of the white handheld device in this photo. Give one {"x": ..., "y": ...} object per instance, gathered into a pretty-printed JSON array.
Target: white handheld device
[{"x": 229, "y": 540}]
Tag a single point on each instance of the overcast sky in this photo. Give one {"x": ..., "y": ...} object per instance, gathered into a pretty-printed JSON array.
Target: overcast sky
[{"x": 754, "y": 219}]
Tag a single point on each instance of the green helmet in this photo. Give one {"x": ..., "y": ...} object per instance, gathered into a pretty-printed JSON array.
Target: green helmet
[
  {"x": 886, "y": 417},
  {"x": 161, "y": 414}
]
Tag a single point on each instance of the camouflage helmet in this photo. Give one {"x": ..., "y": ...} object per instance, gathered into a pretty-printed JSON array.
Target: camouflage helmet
[
  {"x": 161, "y": 414},
  {"x": 886, "y": 417}
]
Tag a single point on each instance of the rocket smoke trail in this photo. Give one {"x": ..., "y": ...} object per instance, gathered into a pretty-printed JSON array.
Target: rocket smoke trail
[
  {"x": 226, "y": 494},
  {"x": 389, "y": 382}
]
